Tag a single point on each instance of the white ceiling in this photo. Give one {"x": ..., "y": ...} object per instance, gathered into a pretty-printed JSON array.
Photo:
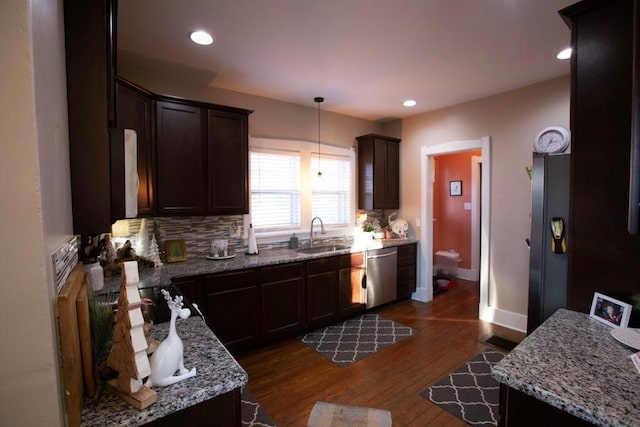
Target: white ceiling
[{"x": 363, "y": 56}]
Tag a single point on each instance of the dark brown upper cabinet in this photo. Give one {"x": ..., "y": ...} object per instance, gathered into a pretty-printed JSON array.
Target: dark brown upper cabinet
[
  {"x": 133, "y": 111},
  {"x": 228, "y": 147},
  {"x": 90, "y": 61},
  {"x": 192, "y": 156},
  {"x": 180, "y": 159},
  {"x": 603, "y": 256},
  {"x": 378, "y": 172},
  {"x": 201, "y": 158}
]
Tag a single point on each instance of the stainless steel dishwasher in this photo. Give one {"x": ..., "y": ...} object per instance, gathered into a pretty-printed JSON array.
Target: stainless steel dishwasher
[{"x": 381, "y": 276}]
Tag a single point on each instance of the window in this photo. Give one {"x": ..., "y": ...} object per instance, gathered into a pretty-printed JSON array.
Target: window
[
  {"x": 286, "y": 192},
  {"x": 275, "y": 189},
  {"x": 330, "y": 193}
]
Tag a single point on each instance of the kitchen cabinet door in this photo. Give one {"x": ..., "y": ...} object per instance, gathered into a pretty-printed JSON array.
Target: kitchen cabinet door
[
  {"x": 322, "y": 291},
  {"x": 283, "y": 298},
  {"x": 602, "y": 255},
  {"x": 406, "y": 270},
  {"x": 133, "y": 111},
  {"x": 180, "y": 158},
  {"x": 378, "y": 172},
  {"x": 232, "y": 307},
  {"x": 89, "y": 61},
  {"x": 351, "y": 294},
  {"x": 518, "y": 409},
  {"x": 188, "y": 288},
  {"x": 228, "y": 162}
]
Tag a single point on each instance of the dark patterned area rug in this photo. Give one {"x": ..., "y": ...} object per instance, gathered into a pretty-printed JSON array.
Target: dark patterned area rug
[
  {"x": 252, "y": 413},
  {"x": 470, "y": 392},
  {"x": 355, "y": 339}
]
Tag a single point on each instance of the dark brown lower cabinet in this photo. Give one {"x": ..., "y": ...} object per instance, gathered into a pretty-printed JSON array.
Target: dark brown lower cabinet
[
  {"x": 231, "y": 308},
  {"x": 188, "y": 288},
  {"x": 223, "y": 410},
  {"x": 518, "y": 409},
  {"x": 251, "y": 307},
  {"x": 283, "y": 296},
  {"x": 406, "y": 270},
  {"x": 351, "y": 294},
  {"x": 322, "y": 291}
]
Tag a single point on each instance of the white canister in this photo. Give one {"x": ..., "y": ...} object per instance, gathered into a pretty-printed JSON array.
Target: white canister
[{"x": 96, "y": 275}]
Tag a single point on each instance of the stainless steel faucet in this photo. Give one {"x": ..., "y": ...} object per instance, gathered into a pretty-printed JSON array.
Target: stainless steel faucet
[{"x": 322, "y": 230}]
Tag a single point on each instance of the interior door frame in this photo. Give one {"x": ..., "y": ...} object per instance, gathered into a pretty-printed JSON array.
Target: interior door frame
[{"x": 427, "y": 176}]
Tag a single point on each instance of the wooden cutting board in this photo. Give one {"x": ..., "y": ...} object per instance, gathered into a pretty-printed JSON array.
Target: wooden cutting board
[
  {"x": 75, "y": 340},
  {"x": 84, "y": 331}
]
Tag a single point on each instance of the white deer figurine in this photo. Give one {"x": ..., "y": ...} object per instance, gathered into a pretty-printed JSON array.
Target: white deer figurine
[{"x": 168, "y": 357}]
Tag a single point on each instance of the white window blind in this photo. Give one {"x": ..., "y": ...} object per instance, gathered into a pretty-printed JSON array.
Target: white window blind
[
  {"x": 275, "y": 189},
  {"x": 286, "y": 192},
  {"x": 331, "y": 192}
]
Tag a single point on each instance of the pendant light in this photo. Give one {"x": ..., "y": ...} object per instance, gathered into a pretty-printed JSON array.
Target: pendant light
[{"x": 318, "y": 100}]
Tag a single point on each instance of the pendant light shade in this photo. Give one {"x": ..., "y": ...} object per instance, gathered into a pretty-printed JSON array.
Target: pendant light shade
[{"x": 319, "y": 100}]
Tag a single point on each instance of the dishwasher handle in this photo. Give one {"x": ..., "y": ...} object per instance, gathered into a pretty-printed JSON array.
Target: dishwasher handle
[{"x": 381, "y": 255}]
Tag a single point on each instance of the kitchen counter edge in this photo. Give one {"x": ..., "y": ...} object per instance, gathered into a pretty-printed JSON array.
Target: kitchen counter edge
[
  {"x": 198, "y": 264},
  {"x": 572, "y": 362}
]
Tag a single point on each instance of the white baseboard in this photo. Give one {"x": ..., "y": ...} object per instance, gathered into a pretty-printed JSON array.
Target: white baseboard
[
  {"x": 505, "y": 318},
  {"x": 422, "y": 295},
  {"x": 469, "y": 274}
]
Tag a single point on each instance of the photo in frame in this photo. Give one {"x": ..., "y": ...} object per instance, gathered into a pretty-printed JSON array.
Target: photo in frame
[
  {"x": 455, "y": 188},
  {"x": 175, "y": 250},
  {"x": 610, "y": 311}
]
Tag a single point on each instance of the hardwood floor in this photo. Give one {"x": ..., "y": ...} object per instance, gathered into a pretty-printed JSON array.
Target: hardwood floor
[{"x": 288, "y": 378}]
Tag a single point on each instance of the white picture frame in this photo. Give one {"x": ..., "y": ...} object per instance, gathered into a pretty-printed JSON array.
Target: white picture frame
[{"x": 610, "y": 311}]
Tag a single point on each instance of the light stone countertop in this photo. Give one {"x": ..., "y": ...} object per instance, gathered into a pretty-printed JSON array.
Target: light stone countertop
[
  {"x": 198, "y": 264},
  {"x": 573, "y": 363},
  {"x": 217, "y": 372}
]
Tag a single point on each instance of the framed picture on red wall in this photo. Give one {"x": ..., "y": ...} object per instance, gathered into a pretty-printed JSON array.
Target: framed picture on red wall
[{"x": 455, "y": 188}]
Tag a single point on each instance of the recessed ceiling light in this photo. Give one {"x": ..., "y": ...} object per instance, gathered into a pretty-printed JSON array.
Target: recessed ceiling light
[
  {"x": 564, "y": 54},
  {"x": 201, "y": 37},
  {"x": 409, "y": 103}
]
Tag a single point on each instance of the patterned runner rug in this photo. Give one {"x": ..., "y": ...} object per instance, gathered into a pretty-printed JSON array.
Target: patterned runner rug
[
  {"x": 355, "y": 339},
  {"x": 252, "y": 413},
  {"x": 470, "y": 392}
]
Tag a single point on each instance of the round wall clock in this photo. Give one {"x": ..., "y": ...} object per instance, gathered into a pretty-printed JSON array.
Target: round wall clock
[{"x": 554, "y": 139}]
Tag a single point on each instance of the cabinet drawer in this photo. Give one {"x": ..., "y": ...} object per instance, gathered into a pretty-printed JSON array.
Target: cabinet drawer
[
  {"x": 279, "y": 273},
  {"x": 352, "y": 260},
  {"x": 407, "y": 250},
  {"x": 406, "y": 261},
  {"x": 322, "y": 265},
  {"x": 406, "y": 273},
  {"x": 231, "y": 280}
]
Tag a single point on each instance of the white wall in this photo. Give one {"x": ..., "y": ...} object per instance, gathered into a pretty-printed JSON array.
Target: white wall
[
  {"x": 35, "y": 206},
  {"x": 512, "y": 120}
]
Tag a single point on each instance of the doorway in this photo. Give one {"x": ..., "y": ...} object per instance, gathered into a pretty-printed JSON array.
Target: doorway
[
  {"x": 481, "y": 168},
  {"x": 456, "y": 224}
]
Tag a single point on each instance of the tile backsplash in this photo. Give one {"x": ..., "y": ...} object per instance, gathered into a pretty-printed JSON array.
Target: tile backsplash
[{"x": 198, "y": 231}]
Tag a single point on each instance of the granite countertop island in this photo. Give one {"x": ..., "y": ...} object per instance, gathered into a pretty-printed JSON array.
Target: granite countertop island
[
  {"x": 198, "y": 264},
  {"x": 572, "y": 363},
  {"x": 217, "y": 373}
]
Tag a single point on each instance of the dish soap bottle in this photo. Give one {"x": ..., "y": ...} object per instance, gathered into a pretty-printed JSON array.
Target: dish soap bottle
[{"x": 293, "y": 241}]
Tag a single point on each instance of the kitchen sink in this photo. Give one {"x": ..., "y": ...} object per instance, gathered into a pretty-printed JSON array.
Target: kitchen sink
[{"x": 322, "y": 249}]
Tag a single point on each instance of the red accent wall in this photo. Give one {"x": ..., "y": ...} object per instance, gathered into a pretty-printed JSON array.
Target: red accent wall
[{"x": 452, "y": 225}]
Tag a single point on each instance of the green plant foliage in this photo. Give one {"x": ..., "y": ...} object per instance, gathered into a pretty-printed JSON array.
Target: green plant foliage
[{"x": 102, "y": 315}]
